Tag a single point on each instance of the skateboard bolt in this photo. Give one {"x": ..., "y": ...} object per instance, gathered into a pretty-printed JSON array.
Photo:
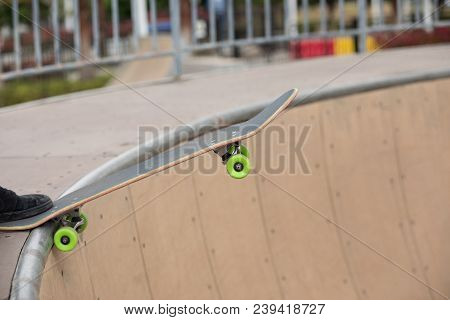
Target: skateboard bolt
[
  {"x": 238, "y": 166},
  {"x": 65, "y": 240}
]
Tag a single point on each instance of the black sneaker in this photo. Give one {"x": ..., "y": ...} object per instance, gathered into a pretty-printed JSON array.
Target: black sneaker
[{"x": 14, "y": 207}]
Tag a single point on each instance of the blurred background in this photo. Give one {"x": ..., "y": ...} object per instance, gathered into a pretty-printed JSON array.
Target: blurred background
[{"x": 61, "y": 43}]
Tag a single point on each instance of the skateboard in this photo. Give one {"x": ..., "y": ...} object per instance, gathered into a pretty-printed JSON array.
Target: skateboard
[{"x": 225, "y": 142}]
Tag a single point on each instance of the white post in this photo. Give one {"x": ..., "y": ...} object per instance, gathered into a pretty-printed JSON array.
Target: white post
[
  {"x": 428, "y": 15},
  {"x": 141, "y": 18},
  {"x": 375, "y": 11},
  {"x": 292, "y": 18},
  {"x": 68, "y": 15},
  {"x": 407, "y": 10}
]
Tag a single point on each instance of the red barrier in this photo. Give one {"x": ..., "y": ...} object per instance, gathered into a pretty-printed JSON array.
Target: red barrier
[{"x": 310, "y": 48}]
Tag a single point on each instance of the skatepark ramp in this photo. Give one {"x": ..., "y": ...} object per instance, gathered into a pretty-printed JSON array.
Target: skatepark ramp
[{"x": 362, "y": 211}]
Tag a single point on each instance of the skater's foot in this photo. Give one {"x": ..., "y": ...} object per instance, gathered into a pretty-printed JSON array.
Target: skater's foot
[{"x": 14, "y": 207}]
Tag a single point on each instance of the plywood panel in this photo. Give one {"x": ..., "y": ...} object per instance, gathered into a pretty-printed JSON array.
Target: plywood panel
[
  {"x": 66, "y": 276},
  {"x": 307, "y": 250},
  {"x": 108, "y": 247},
  {"x": 363, "y": 182},
  {"x": 230, "y": 216},
  {"x": 112, "y": 249},
  {"x": 421, "y": 119},
  {"x": 173, "y": 246}
]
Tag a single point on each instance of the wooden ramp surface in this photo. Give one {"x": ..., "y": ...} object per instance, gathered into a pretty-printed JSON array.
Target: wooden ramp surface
[{"x": 369, "y": 221}]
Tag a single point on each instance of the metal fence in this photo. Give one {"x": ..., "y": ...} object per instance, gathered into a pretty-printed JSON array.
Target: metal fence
[{"x": 73, "y": 34}]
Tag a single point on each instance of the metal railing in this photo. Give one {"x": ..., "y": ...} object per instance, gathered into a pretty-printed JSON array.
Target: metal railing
[{"x": 73, "y": 34}]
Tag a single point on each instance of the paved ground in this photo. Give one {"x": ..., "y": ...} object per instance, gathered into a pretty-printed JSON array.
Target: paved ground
[
  {"x": 149, "y": 69},
  {"x": 48, "y": 145}
]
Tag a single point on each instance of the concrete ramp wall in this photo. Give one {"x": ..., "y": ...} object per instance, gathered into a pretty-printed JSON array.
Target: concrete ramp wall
[{"x": 370, "y": 221}]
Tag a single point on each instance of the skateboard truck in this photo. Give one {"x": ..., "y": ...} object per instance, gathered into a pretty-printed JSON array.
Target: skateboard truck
[
  {"x": 72, "y": 223},
  {"x": 236, "y": 158}
]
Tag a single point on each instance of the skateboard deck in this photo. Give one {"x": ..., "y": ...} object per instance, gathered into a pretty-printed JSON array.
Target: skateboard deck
[{"x": 227, "y": 138}]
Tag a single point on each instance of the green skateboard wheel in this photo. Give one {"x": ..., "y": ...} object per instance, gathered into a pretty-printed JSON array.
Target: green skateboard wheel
[
  {"x": 242, "y": 148},
  {"x": 65, "y": 239},
  {"x": 83, "y": 227},
  {"x": 238, "y": 166}
]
